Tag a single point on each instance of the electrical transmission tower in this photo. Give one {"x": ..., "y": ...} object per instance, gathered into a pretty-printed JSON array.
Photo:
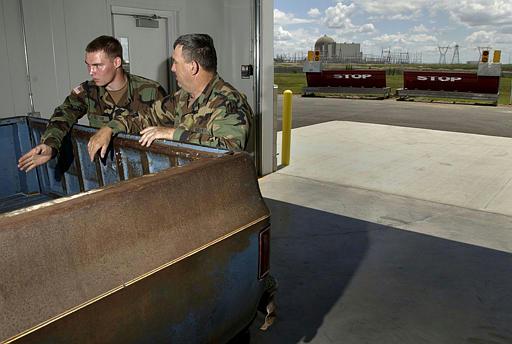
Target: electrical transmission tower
[
  {"x": 404, "y": 57},
  {"x": 455, "y": 57},
  {"x": 442, "y": 54},
  {"x": 385, "y": 55}
]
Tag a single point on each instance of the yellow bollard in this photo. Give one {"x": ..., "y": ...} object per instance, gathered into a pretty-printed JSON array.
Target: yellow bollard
[{"x": 287, "y": 127}]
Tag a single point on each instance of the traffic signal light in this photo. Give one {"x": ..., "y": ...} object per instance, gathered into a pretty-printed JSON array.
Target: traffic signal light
[
  {"x": 317, "y": 55},
  {"x": 485, "y": 56},
  {"x": 497, "y": 56},
  {"x": 311, "y": 54}
]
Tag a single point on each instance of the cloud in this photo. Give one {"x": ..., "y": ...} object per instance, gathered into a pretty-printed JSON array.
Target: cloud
[
  {"x": 281, "y": 34},
  {"x": 339, "y": 16},
  {"x": 282, "y": 18},
  {"x": 403, "y": 17},
  {"x": 413, "y": 26},
  {"x": 387, "y": 39},
  {"x": 421, "y": 38},
  {"x": 300, "y": 41},
  {"x": 485, "y": 38},
  {"x": 481, "y": 37},
  {"x": 406, "y": 40},
  {"x": 475, "y": 13},
  {"x": 314, "y": 12},
  {"x": 419, "y": 28},
  {"x": 394, "y": 10},
  {"x": 366, "y": 28}
]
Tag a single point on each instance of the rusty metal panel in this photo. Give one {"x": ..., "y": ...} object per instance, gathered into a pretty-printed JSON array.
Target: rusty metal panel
[
  {"x": 188, "y": 302},
  {"x": 73, "y": 172},
  {"x": 347, "y": 78},
  {"x": 111, "y": 265},
  {"x": 451, "y": 81}
]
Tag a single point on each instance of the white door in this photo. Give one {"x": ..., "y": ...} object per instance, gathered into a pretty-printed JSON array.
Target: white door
[{"x": 145, "y": 45}]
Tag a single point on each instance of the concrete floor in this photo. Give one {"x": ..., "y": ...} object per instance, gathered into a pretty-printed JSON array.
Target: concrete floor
[{"x": 386, "y": 234}]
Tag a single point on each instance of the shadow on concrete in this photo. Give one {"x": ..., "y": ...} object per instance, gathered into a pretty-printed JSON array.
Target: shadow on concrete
[
  {"x": 343, "y": 280},
  {"x": 314, "y": 255}
]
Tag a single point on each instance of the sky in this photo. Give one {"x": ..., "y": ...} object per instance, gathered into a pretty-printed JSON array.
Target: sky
[{"x": 418, "y": 27}]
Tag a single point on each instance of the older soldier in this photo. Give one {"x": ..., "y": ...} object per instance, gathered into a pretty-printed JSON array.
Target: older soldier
[
  {"x": 110, "y": 89},
  {"x": 206, "y": 110}
]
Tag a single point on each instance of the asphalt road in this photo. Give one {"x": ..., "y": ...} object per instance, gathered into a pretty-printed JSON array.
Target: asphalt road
[{"x": 474, "y": 119}]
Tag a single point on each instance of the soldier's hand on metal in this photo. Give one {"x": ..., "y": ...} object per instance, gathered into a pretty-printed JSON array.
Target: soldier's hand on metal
[
  {"x": 38, "y": 155},
  {"x": 151, "y": 134},
  {"x": 98, "y": 141}
]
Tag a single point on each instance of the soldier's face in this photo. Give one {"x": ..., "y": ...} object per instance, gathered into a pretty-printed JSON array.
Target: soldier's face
[
  {"x": 182, "y": 69},
  {"x": 101, "y": 67}
]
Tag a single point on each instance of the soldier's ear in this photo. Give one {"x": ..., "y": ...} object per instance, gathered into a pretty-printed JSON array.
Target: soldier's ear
[
  {"x": 195, "y": 67},
  {"x": 118, "y": 62}
]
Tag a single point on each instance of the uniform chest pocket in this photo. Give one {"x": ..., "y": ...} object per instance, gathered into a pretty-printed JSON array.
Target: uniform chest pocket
[
  {"x": 97, "y": 121},
  {"x": 197, "y": 121},
  {"x": 202, "y": 118}
]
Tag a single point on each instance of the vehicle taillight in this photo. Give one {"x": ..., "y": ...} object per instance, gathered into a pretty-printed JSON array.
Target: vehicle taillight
[{"x": 264, "y": 252}]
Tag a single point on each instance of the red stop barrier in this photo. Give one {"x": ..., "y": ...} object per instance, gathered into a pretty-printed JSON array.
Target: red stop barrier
[
  {"x": 347, "y": 78},
  {"x": 451, "y": 82}
]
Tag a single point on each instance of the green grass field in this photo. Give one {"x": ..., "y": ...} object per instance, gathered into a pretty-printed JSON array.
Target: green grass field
[
  {"x": 295, "y": 81},
  {"x": 505, "y": 91},
  {"x": 290, "y": 81}
]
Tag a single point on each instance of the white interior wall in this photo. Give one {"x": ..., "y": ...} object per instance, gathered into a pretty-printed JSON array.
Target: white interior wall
[
  {"x": 14, "y": 99},
  {"x": 236, "y": 46},
  {"x": 268, "y": 145},
  {"x": 84, "y": 21},
  {"x": 47, "y": 53},
  {"x": 58, "y": 30}
]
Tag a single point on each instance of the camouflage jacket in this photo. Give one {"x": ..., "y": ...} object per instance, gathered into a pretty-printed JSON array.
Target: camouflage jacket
[
  {"x": 219, "y": 117},
  {"x": 96, "y": 102}
]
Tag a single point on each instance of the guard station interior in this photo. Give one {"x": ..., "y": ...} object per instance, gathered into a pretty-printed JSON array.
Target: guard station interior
[{"x": 43, "y": 43}]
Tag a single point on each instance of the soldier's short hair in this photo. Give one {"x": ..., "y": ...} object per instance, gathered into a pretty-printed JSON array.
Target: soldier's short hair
[
  {"x": 198, "y": 47},
  {"x": 108, "y": 44}
]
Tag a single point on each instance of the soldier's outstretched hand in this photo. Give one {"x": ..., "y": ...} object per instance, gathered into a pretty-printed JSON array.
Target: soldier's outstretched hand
[
  {"x": 98, "y": 141},
  {"x": 151, "y": 134},
  {"x": 38, "y": 155}
]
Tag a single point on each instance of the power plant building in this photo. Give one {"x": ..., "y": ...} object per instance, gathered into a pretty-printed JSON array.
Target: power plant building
[{"x": 331, "y": 51}]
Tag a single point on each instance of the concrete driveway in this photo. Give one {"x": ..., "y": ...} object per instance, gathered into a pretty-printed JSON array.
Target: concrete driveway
[{"x": 391, "y": 233}]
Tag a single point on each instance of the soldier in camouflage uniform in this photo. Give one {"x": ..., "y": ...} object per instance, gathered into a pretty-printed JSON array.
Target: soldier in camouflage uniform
[
  {"x": 206, "y": 110},
  {"x": 110, "y": 89}
]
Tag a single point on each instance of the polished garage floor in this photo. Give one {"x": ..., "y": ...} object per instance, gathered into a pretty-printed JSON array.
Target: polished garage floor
[{"x": 385, "y": 234}]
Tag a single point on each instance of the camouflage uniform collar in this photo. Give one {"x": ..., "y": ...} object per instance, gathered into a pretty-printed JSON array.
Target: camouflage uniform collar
[
  {"x": 130, "y": 86},
  {"x": 205, "y": 95},
  {"x": 208, "y": 89},
  {"x": 104, "y": 95}
]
